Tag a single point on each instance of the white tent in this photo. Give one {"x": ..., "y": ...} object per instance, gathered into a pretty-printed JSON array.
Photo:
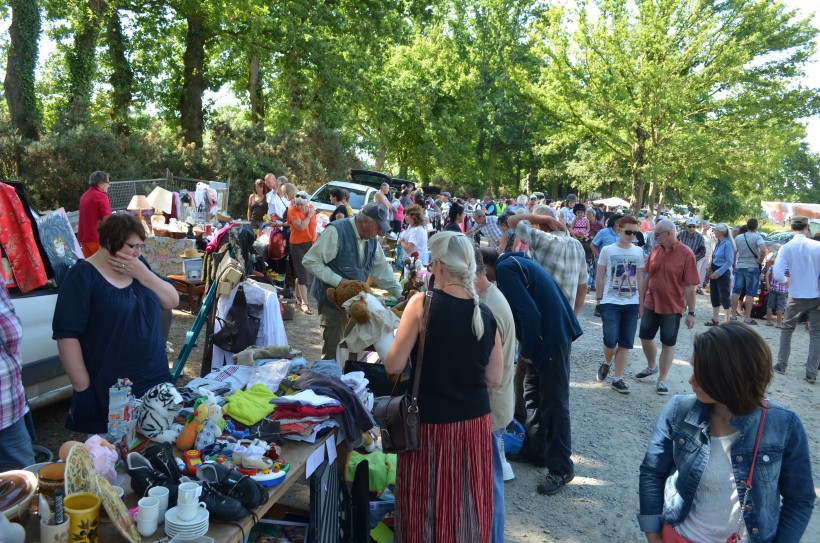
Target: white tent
[{"x": 613, "y": 202}]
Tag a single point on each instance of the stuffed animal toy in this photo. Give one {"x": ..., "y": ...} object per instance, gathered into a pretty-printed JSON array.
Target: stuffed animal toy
[
  {"x": 195, "y": 422},
  {"x": 399, "y": 307},
  {"x": 157, "y": 411},
  {"x": 104, "y": 457},
  {"x": 212, "y": 425},
  {"x": 358, "y": 310}
]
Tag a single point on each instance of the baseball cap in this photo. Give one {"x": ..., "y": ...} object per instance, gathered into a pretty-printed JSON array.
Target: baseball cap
[
  {"x": 800, "y": 220},
  {"x": 378, "y": 213},
  {"x": 691, "y": 222}
]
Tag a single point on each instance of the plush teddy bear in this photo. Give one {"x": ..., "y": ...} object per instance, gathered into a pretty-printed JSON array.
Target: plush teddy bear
[
  {"x": 358, "y": 310},
  {"x": 212, "y": 426},
  {"x": 195, "y": 422},
  {"x": 156, "y": 413}
]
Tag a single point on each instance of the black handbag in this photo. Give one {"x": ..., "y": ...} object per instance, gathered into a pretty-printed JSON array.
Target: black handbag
[
  {"x": 380, "y": 382},
  {"x": 398, "y": 416},
  {"x": 240, "y": 328}
]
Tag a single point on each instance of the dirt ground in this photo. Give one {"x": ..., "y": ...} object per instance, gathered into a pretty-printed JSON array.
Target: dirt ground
[{"x": 610, "y": 432}]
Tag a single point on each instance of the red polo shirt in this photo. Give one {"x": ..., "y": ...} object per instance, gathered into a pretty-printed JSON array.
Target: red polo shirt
[
  {"x": 668, "y": 274},
  {"x": 94, "y": 207}
]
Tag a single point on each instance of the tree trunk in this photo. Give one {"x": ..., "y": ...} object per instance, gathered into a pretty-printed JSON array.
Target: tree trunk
[
  {"x": 193, "y": 80},
  {"x": 122, "y": 76},
  {"x": 256, "y": 92},
  {"x": 638, "y": 161},
  {"x": 381, "y": 157},
  {"x": 652, "y": 193},
  {"x": 82, "y": 63},
  {"x": 24, "y": 33}
]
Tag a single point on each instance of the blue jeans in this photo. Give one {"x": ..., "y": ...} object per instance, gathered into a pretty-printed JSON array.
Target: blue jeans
[
  {"x": 498, "y": 489},
  {"x": 546, "y": 396},
  {"x": 15, "y": 447},
  {"x": 593, "y": 269}
]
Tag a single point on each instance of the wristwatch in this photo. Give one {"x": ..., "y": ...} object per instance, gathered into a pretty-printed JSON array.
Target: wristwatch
[{"x": 691, "y": 313}]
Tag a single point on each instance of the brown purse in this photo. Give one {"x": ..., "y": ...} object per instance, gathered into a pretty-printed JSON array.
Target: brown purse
[{"x": 398, "y": 416}]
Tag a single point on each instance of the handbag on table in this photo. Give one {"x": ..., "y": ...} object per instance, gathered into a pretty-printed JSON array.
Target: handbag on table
[{"x": 398, "y": 415}]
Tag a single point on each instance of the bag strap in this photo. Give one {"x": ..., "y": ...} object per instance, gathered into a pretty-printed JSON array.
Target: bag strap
[
  {"x": 428, "y": 297},
  {"x": 746, "y": 239},
  {"x": 736, "y": 535}
]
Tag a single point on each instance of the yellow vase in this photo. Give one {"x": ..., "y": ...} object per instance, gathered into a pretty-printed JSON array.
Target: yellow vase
[{"x": 83, "y": 510}]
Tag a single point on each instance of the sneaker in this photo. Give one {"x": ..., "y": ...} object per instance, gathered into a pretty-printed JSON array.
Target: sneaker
[
  {"x": 620, "y": 386},
  {"x": 222, "y": 508},
  {"x": 231, "y": 483},
  {"x": 554, "y": 482},
  {"x": 779, "y": 368},
  {"x": 161, "y": 457},
  {"x": 603, "y": 371},
  {"x": 661, "y": 388},
  {"x": 811, "y": 379},
  {"x": 597, "y": 312},
  {"x": 144, "y": 476},
  {"x": 646, "y": 373}
]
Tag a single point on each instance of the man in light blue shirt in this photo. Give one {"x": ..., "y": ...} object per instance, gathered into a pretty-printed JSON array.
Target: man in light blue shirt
[{"x": 606, "y": 236}]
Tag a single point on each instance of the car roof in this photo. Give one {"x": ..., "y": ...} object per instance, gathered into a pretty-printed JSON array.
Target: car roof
[{"x": 349, "y": 185}]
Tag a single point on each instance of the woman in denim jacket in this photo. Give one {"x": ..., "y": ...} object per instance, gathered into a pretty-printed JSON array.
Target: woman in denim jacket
[{"x": 693, "y": 477}]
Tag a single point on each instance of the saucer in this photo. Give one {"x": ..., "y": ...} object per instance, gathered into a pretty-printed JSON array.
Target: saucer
[{"x": 175, "y": 522}]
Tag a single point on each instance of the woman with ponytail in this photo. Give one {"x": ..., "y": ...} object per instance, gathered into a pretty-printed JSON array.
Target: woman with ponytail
[{"x": 462, "y": 357}]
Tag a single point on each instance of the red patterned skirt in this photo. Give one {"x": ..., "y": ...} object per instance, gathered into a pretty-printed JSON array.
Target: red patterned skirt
[{"x": 445, "y": 488}]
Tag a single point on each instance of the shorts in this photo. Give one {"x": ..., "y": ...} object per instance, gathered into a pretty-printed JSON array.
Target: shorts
[
  {"x": 667, "y": 323},
  {"x": 777, "y": 301},
  {"x": 747, "y": 280},
  {"x": 619, "y": 323}
]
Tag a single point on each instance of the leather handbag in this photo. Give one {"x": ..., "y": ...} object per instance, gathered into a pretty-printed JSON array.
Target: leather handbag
[{"x": 398, "y": 416}]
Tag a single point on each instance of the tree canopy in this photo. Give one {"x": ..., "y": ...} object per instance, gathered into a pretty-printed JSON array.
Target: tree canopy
[{"x": 647, "y": 99}]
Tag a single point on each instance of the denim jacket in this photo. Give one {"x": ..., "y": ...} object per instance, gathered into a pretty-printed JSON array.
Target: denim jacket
[{"x": 679, "y": 447}]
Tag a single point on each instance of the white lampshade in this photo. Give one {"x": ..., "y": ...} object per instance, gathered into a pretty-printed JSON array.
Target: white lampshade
[
  {"x": 138, "y": 202},
  {"x": 161, "y": 199}
]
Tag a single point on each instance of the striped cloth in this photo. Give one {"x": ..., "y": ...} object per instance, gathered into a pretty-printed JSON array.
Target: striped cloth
[
  {"x": 445, "y": 488},
  {"x": 12, "y": 397}
]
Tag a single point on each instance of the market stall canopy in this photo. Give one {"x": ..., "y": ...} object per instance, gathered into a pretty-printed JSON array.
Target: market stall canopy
[{"x": 613, "y": 202}]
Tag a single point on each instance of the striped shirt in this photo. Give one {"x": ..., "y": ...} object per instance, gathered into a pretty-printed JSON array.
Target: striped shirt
[
  {"x": 777, "y": 286},
  {"x": 489, "y": 229},
  {"x": 12, "y": 396}
]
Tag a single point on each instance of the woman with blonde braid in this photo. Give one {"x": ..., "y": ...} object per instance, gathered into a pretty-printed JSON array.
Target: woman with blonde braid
[{"x": 462, "y": 357}]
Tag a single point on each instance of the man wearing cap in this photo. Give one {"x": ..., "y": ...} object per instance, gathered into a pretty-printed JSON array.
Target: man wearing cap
[
  {"x": 692, "y": 239},
  {"x": 347, "y": 251},
  {"x": 800, "y": 257},
  {"x": 750, "y": 250}
]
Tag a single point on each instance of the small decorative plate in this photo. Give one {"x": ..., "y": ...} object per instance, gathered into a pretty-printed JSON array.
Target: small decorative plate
[
  {"x": 79, "y": 471},
  {"x": 17, "y": 488},
  {"x": 117, "y": 512}
]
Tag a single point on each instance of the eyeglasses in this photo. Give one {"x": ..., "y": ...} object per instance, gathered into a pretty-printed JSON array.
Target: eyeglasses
[
  {"x": 630, "y": 232},
  {"x": 690, "y": 226},
  {"x": 137, "y": 246}
]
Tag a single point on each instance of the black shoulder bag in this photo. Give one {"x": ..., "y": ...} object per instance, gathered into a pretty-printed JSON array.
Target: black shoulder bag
[
  {"x": 398, "y": 416},
  {"x": 240, "y": 328}
]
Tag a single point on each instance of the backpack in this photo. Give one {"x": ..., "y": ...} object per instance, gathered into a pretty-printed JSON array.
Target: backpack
[{"x": 277, "y": 246}]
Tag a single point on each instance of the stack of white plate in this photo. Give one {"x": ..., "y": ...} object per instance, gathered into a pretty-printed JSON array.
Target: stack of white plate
[{"x": 197, "y": 526}]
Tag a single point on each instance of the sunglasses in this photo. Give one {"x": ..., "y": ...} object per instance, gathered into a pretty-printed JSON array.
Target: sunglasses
[
  {"x": 690, "y": 226},
  {"x": 630, "y": 232}
]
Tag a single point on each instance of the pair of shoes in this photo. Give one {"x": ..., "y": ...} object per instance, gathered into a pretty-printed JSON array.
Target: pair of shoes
[
  {"x": 221, "y": 508},
  {"x": 750, "y": 323},
  {"x": 555, "y": 482},
  {"x": 646, "y": 373},
  {"x": 524, "y": 459},
  {"x": 233, "y": 484},
  {"x": 161, "y": 457},
  {"x": 597, "y": 312},
  {"x": 603, "y": 371},
  {"x": 711, "y": 322},
  {"x": 619, "y": 386},
  {"x": 144, "y": 476},
  {"x": 811, "y": 379},
  {"x": 780, "y": 369},
  {"x": 661, "y": 388}
]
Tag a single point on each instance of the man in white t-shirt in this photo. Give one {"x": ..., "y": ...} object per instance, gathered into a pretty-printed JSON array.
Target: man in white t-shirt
[
  {"x": 277, "y": 203},
  {"x": 750, "y": 250},
  {"x": 619, "y": 277}
]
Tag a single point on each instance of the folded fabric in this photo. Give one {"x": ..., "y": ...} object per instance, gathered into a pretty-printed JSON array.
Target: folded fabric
[
  {"x": 297, "y": 411},
  {"x": 318, "y": 431},
  {"x": 250, "y": 406},
  {"x": 380, "y": 465},
  {"x": 247, "y": 357},
  {"x": 327, "y": 367},
  {"x": 232, "y": 375},
  {"x": 306, "y": 397}
]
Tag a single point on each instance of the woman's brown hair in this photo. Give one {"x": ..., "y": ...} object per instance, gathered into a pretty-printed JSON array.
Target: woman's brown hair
[
  {"x": 416, "y": 213},
  {"x": 626, "y": 219},
  {"x": 116, "y": 228},
  {"x": 733, "y": 365}
]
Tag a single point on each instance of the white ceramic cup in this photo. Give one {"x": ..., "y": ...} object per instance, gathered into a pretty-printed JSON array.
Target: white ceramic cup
[
  {"x": 54, "y": 533},
  {"x": 188, "y": 511},
  {"x": 188, "y": 493},
  {"x": 148, "y": 508},
  {"x": 146, "y": 526},
  {"x": 160, "y": 493},
  {"x": 119, "y": 490}
]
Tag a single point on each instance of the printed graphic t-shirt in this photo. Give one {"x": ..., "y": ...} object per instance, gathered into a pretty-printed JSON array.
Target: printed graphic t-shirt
[{"x": 621, "y": 278}]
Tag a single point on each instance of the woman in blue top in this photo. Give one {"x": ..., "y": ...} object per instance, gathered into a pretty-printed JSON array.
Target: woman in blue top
[
  {"x": 693, "y": 479},
  {"x": 720, "y": 279},
  {"x": 107, "y": 323}
]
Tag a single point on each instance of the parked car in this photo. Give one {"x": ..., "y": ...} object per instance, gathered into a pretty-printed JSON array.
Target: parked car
[
  {"x": 775, "y": 240},
  {"x": 362, "y": 189}
]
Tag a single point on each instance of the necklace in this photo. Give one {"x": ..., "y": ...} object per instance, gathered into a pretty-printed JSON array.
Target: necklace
[{"x": 442, "y": 287}]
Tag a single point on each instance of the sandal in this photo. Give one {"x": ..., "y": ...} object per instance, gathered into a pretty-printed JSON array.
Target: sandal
[
  {"x": 769, "y": 324},
  {"x": 711, "y": 322},
  {"x": 306, "y": 309},
  {"x": 750, "y": 323}
]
